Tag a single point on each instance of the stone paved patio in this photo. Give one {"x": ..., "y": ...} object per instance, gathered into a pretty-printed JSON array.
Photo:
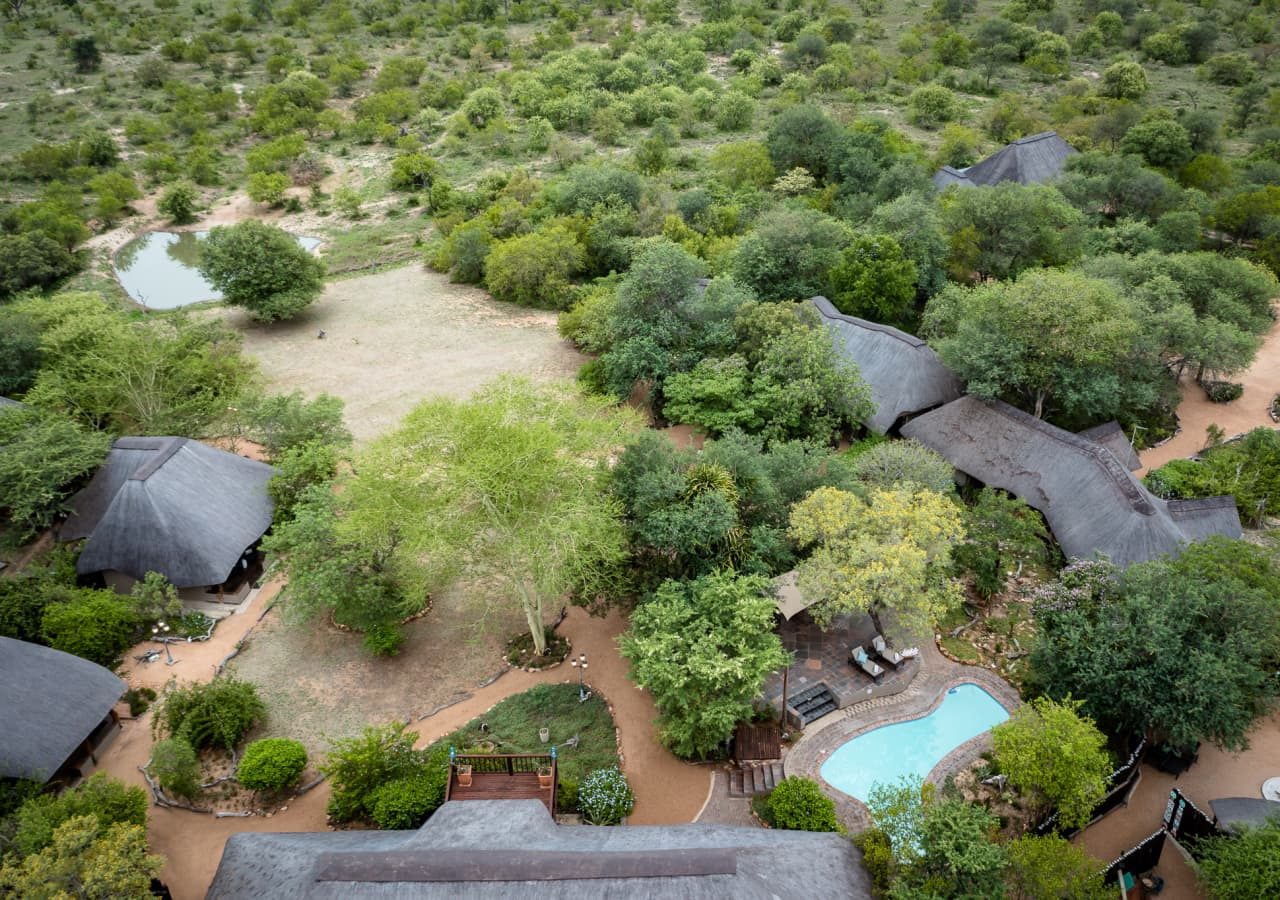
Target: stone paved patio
[
  {"x": 823, "y": 656},
  {"x": 918, "y": 698}
]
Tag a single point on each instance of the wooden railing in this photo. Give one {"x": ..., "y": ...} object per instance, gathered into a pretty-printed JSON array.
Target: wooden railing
[{"x": 504, "y": 763}]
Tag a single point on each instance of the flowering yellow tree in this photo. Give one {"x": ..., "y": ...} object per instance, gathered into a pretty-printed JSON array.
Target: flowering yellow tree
[{"x": 889, "y": 551}]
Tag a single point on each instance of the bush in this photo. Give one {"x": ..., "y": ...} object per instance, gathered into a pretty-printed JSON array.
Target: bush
[
  {"x": 1222, "y": 391},
  {"x": 932, "y": 105},
  {"x": 877, "y": 859},
  {"x": 178, "y": 202},
  {"x": 261, "y": 268},
  {"x": 139, "y": 700},
  {"x": 271, "y": 764},
  {"x": 216, "y": 714},
  {"x": 43, "y": 456},
  {"x": 605, "y": 797},
  {"x": 96, "y": 625},
  {"x": 566, "y": 796},
  {"x": 408, "y": 802},
  {"x": 384, "y": 639},
  {"x": 110, "y": 800},
  {"x": 798, "y": 804},
  {"x": 357, "y": 767},
  {"x": 174, "y": 765},
  {"x": 534, "y": 269}
]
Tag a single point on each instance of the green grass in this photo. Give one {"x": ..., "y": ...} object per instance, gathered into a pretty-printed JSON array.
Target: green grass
[
  {"x": 513, "y": 726},
  {"x": 350, "y": 248}
]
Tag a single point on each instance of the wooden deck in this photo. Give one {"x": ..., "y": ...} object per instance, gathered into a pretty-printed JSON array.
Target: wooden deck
[{"x": 504, "y": 777}]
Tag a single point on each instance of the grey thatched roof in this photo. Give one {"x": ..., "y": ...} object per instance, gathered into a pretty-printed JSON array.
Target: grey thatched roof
[
  {"x": 1234, "y": 813},
  {"x": 1112, "y": 436},
  {"x": 904, "y": 374},
  {"x": 50, "y": 702},
  {"x": 173, "y": 506},
  {"x": 1030, "y": 160},
  {"x": 1089, "y": 498},
  {"x": 482, "y": 849},
  {"x": 6, "y": 403}
]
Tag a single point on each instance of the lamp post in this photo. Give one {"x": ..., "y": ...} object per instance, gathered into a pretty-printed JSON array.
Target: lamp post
[
  {"x": 156, "y": 630},
  {"x": 581, "y": 665}
]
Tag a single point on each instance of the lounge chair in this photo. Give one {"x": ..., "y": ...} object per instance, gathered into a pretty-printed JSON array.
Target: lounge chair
[
  {"x": 860, "y": 659},
  {"x": 892, "y": 657}
]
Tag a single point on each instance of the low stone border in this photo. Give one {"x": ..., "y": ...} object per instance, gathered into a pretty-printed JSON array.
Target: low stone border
[{"x": 925, "y": 694}]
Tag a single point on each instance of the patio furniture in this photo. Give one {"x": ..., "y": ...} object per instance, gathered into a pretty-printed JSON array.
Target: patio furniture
[
  {"x": 865, "y": 663},
  {"x": 892, "y": 657}
]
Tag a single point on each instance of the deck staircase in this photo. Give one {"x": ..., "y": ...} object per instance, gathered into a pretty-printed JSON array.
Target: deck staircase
[
  {"x": 813, "y": 703},
  {"x": 750, "y": 780}
]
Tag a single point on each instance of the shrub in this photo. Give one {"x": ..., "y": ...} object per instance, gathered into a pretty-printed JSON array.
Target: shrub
[
  {"x": 567, "y": 795},
  {"x": 1222, "y": 391},
  {"x": 877, "y": 858},
  {"x": 261, "y": 268},
  {"x": 96, "y": 625},
  {"x": 384, "y": 639},
  {"x": 408, "y": 802},
  {"x": 271, "y": 764},
  {"x": 139, "y": 700},
  {"x": 605, "y": 797},
  {"x": 932, "y": 105},
  {"x": 43, "y": 455},
  {"x": 216, "y": 714},
  {"x": 174, "y": 765},
  {"x": 110, "y": 800},
  {"x": 798, "y": 804},
  {"x": 534, "y": 269},
  {"x": 358, "y": 766},
  {"x": 178, "y": 202}
]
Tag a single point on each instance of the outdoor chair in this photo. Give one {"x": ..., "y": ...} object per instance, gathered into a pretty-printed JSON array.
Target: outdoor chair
[
  {"x": 892, "y": 657},
  {"x": 865, "y": 663}
]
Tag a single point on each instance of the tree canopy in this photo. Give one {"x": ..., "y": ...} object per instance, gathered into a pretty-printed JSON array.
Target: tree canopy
[{"x": 262, "y": 268}]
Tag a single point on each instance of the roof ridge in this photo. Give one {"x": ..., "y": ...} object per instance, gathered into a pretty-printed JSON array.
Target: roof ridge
[
  {"x": 828, "y": 309},
  {"x": 164, "y": 453}
]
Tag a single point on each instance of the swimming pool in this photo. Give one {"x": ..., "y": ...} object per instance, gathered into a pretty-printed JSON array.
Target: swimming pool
[{"x": 887, "y": 753}]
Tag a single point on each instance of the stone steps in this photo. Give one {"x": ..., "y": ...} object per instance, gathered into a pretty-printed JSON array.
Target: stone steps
[{"x": 750, "y": 781}]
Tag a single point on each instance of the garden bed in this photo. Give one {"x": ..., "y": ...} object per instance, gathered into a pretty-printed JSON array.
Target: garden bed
[
  {"x": 997, "y": 636},
  {"x": 522, "y": 655}
]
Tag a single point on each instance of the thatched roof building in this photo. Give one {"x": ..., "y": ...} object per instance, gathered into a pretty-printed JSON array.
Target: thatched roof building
[
  {"x": 1034, "y": 159},
  {"x": 1112, "y": 436},
  {"x": 903, "y": 372},
  {"x": 1089, "y": 498},
  {"x": 55, "y": 708},
  {"x": 6, "y": 403},
  {"x": 173, "y": 506},
  {"x": 512, "y": 848}
]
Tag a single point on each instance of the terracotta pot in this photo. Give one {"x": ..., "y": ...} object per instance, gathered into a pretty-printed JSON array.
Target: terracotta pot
[
  {"x": 464, "y": 776},
  {"x": 544, "y": 778}
]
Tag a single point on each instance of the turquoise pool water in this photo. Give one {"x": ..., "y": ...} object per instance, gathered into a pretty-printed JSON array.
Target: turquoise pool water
[{"x": 912, "y": 748}]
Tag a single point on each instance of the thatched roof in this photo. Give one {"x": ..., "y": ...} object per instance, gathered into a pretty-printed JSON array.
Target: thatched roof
[
  {"x": 173, "y": 506},
  {"x": 1236, "y": 813},
  {"x": 1089, "y": 498},
  {"x": 50, "y": 702},
  {"x": 904, "y": 374},
  {"x": 1112, "y": 436},
  {"x": 1031, "y": 160},
  {"x": 481, "y": 849},
  {"x": 6, "y": 403}
]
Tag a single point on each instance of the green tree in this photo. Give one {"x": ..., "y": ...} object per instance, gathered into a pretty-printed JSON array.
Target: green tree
[
  {"x": 887, "y": 552},
  {"x": 1053, "y": 867},
  {"x": 803, "y": 136},
  {"x": 1049, "y": 340},
  {"x": 178, "y": 202},
  {"x": 931, "y": 105},
  {"x": 175, "y": 767},
  {"x": 283, "y": 422},
  {"x": 357, "y": 767},
  {"x": 85, "y": 860},
  {"x": 154, "y": 598},
  {"x": 1055, "y": 756},
  {"x": 896, "y": 463},
  {"x": 743, "y": 164},
  {"x": 85, "y": 53},
  {"x": 442, "y": 484},
  {"x": 959, "y": 856},
  {"x": 789, "y": 255},
  {"x": 288, "y": 105},
  {"x": 1244, "y": 866},
  {"x": 1181, "y": 650},
  {"x": 33, "y": 260},
  {"x": 268, "y": 187},
  {"x": 534, "y": 269},
  {"x": 703, "y": 650},
  {"x": 1124, "y": 80},
  {"x": 19, "y": 352},
  {"x": 999, "y": 531},
  {"x": 999, "y": 231},
  {"x": 261, "y": 268},
  {"x": 874, "y": 280},
  {"x": 43, "y": 457},
  {"x": 1161, "y": 142},
  {"x": 109, "y": 801}
]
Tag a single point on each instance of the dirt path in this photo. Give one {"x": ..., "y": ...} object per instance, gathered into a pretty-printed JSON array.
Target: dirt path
[
  {"x": 1261, "y": 383},
  {"x": 400, "y": 335},
  {"x": 1217, "y": 774},
  {"x": 667, "y": 790}
]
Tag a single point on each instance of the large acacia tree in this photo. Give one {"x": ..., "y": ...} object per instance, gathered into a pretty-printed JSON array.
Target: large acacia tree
[{"x": 505, "y": 489}]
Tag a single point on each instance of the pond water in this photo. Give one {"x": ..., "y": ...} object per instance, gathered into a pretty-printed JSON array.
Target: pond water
[
  {"x": 159, "y": 269},
  {"x": 887, "y": 753}
]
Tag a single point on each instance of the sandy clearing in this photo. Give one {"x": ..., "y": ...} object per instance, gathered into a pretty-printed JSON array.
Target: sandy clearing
[
  {"x": 1261, "y": 383},
  {"x": 398, "y": 336}
]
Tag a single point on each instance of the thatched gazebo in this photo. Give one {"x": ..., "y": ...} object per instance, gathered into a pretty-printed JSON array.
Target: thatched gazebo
[{"x": 1034, "y": 159}]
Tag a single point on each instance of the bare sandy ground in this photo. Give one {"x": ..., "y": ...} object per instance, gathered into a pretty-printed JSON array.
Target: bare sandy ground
[
  {"x": 1261, "y": 383},
  {"x": 399, "y": 336},
  {"x": 1217, "y": 774}
]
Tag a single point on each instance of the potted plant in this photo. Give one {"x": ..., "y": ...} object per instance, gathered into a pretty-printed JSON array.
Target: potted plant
[
  {"x": 464, "y": 775},
  {"x": 544, "y": 777}
]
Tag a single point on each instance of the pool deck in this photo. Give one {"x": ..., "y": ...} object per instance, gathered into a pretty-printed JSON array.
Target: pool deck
[{"x": 924, "y": 694}]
